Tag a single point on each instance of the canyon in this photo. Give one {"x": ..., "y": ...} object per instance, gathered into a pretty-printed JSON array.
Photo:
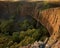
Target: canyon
[{"x": 49, "y": 18}]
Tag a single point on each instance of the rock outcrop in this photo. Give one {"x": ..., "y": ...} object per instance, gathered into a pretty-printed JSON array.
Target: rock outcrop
[{"x": 50, "y": 18}]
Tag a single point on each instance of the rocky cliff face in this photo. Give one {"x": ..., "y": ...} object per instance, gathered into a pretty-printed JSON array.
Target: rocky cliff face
[
  {"x": 50, "y": 18},
  {"x": 8, "y": 9}
]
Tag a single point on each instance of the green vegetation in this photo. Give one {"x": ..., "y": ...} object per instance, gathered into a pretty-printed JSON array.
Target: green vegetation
[{"x": 28, "y": 33}]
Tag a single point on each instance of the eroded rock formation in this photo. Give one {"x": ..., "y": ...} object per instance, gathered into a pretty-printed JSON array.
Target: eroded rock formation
[{"x": 50, "y": 18}]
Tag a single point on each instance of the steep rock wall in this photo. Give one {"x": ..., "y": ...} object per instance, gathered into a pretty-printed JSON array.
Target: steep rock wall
[
  {"x": 52, "y": 23},
  {"x": 50, "y": 18}
]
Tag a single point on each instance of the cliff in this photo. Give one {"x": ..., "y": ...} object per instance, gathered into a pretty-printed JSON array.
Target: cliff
[{"x": 50, "y": 18}]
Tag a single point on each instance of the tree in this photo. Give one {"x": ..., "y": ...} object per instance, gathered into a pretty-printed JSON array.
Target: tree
[
  {"x": 22, "y": 35},
  {"x": 15, "y": 37},
  {"x": 6, "y": 26},
  {"x": 25, "y": 25}
]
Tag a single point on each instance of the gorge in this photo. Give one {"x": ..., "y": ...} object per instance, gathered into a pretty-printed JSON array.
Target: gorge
[{"x": 49, "y": 18}]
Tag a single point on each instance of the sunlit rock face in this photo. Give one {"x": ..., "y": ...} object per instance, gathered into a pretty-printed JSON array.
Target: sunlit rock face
[{"x": 50, "y": 18}]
